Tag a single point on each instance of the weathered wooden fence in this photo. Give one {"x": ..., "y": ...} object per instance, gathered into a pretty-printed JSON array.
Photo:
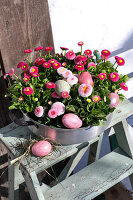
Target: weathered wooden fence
[{"x": 24, "y": 24}]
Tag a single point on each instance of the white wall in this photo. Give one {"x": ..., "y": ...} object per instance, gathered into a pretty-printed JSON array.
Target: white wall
[{"x": 99, "y": 24}]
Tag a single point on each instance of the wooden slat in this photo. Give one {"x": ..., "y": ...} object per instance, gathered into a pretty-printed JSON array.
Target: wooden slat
[
  {"x": 24, "y": 24},
  {"x": 123, "y": 110},
  {"x": 94, "y": 179}
]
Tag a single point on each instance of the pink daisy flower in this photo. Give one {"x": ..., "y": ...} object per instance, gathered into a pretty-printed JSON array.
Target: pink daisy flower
[
  {"x": 124, "y": 86},
  {"x": 26, "y": 78},
  {"x": 52, "y": 61},
  {"x": 35, "y": 75},
  {"x": 6, "y": 76},
  {"x": 116, "y": 57},
  {"x": 83, "y": 58},
  {"x": 50, "y": 85},
  {"x": 27, "y": 51},
  {"x": 27, "y": 91},
  {"x": 88, "y": 52},
  {"x": 39, "y": 61},
  {"x": 11, "y": 72},
  {"x": 55, "y": 95},
  {"x": 64, "y": 64},
  {"x": 33, "y": 70},
  {"x": 114, "y": 77},
  {"x": 64, "y": 48},
  {"x": 61, "y": 70},
  {"x": 72, "y": 80},
  {"x": 52, "y": 113},
  {"x": 67, "y": 74},
  {"x": 117, "y": 90},
  {"x": 22, "y": 65},
  {"x": 77, "y": 59},
  {"x": 39, "y": 111},
  {"x": 102, "y": 76},
  {"x": 77, "y": 75},
  {"x": 21, "y": 98},
  {"x": 105, "y": 54},
  {"x": 27, "y": 73},
  {"x": 38, "y": 48},
  {"x": 79, "y": 67},
  {"x": 65, "y": 94},
  {"x": 59, "y": 107},
  {"x": 80, "y": 43},
  {"x": 96, "y": 98},
  {"x": 70, "y": 55},
  {"x": 48, "y": 48},
  {"x": 120, "y": 61},
  {"x": 56, "y": 65},
  {"x": 91, "y": 64},
  {"x": 46, "y": 65},
  {"x": 85, "y": 90},
  {"x": 82, "y": 62}
]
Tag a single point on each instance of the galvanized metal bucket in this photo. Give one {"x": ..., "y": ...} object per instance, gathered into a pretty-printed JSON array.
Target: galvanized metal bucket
[{"x": 67, "y": 136}]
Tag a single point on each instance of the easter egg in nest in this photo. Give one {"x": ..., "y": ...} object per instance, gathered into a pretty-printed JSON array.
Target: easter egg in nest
[{"x": 41, "y": 148}]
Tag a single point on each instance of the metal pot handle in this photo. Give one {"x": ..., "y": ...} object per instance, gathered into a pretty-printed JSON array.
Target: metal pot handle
[{"x": 17, "y": 117}]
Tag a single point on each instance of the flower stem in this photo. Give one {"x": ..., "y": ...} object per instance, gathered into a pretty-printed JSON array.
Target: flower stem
[
  {"x": 93, "y": 106},
  {"x": 49, "y": 54},
  {"x": 28, "y": 58},
  {"x": 15, "y": 76},
  {"x": 29, "y": 99},
  {"x": 40, "y": 54},
  {"x": 81, "y": 50},
  {"x": 116, "y": 66},
  {"x": 9, "y": 82}
]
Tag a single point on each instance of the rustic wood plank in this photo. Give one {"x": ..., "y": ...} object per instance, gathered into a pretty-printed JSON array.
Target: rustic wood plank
[
  {"x": 74, "y": 160},
  {"x": 123, "y": 111},
  {"x": 123, "y": 137},
  {"x": 4, "y": 178},
  {"x": 24, "y": 24},
  {"x": 33, "y": 185},
  {"x": 12, "y": 180},
  {"x": 94, "y": 179},
  {"x": 95, "y": 150}
]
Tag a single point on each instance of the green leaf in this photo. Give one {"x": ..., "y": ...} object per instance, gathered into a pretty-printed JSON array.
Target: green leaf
[
  {"x": 12, "y": 107},
  {"x": 70, "y": 108},
  {"x": 125, "y": 78},
  {"x": 101, "y": 123}
]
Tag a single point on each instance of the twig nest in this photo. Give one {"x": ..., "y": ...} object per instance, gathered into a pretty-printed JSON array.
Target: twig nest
[
  {"x": 86, "y": 78},
  {"x": 41, "y": 148},
  {"x": 70, "y": 120},
  {"x": 114, "y": 99},
  {"x": 61, "y": 86}
]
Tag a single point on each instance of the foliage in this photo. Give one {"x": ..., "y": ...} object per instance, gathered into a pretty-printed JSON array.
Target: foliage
[{"x": 91, "y": 112}]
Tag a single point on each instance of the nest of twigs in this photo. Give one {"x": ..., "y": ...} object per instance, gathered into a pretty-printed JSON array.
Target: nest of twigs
[{"x": 24, "y": 147}]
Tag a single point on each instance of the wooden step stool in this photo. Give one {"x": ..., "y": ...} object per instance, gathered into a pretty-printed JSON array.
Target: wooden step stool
[{"x": 88, "y": 183}]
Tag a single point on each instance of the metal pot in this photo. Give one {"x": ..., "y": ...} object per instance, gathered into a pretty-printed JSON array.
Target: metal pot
[{"x": 60, "y": 135}]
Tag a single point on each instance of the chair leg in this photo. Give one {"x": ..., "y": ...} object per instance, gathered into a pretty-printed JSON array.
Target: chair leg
[
  {"x": 13, "y": 180},
  {"x": 123, "y": 137},
  {"x": 33, "y": 185},
  {"x": 95, "y": 150}
]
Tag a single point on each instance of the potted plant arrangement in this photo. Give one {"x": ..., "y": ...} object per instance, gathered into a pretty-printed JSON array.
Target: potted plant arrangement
[{"x": 69, "y": 96}]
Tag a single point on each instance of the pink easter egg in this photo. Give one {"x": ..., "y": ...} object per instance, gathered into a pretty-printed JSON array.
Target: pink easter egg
[
  {"x": 114, "y": 97},
  {"x": 86, "y": 78},
  {"x": 41, "y": 148},
  {"x": 70, "y": 120}
]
